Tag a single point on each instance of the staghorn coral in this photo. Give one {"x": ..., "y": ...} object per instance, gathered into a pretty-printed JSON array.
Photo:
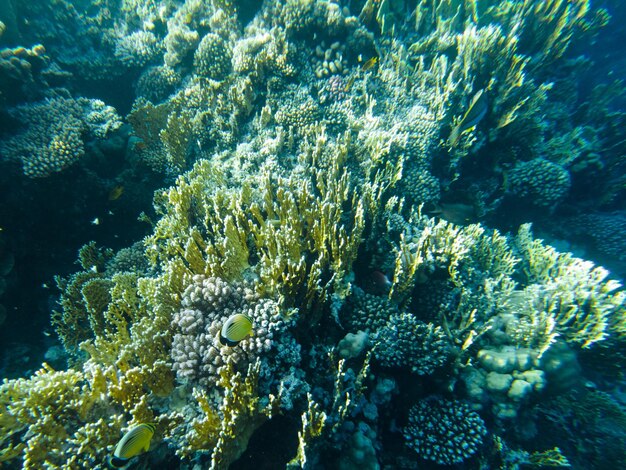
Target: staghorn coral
[{"x": 444, "y": 431}]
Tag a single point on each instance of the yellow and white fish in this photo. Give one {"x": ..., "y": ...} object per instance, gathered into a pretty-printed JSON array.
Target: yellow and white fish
[
  {"x": 476, "y": 110},
  {"x": 235, "y": 329},
  {"x": 134, "y": 442}
]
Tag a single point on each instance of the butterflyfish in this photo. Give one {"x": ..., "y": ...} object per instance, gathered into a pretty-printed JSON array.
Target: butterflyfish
[
  {"x": 116, "y": 192},
  {"x": 475, "y": 112},
  {"x": 134, "y": 442},
  {"x": 235, "y": 329}
]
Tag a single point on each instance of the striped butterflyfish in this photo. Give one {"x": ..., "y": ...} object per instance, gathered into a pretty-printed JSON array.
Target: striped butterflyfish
[
  {"x": 236, "y": 328},
  {"x": 476, "y": 110},
  {"x": 134, "y": 442}
]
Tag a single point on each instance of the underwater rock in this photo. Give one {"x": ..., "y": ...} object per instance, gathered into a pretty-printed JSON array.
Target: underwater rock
[{"x": 353, "y": 344}]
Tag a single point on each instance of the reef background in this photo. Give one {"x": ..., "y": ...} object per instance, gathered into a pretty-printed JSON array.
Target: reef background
[{"x": 165, "y": 164}]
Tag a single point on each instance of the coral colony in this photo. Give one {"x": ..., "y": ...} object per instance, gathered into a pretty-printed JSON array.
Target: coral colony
[{"x": 309, "y": 165}]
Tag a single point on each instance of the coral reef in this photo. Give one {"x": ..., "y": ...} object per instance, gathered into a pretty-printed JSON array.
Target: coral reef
[
  {"x": 539, "y": 181},
  {"x": 157, "y": 83},
  {"x": 212, "y": 58},
  {"x": 330, "y": 174}
]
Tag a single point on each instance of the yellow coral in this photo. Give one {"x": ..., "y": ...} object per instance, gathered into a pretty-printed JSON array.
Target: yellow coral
[{"x": 578, "y": 295}]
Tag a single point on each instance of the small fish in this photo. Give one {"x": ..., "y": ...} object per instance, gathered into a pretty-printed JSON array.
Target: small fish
[
  {"x": 95, "y": 221},
  {"x": 138, "y": 145},
  {"x": 134, "y": 442},
  {"x": 369, "y": 63},
  {"x": 116, "y": 192},
  {"x": 349, "y": 83},
  {"x": 457, "y": 213},
  {"x": 381, "y": 279},
  {"x": 475, "y": 112},
  {"x": 235, "y": 329},
  {"x": 378, "y": 283}
]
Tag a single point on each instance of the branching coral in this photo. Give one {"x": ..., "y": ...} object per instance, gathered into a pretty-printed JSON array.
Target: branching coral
[
  {"x": 55, "y": 131},
  {"x": 296, "y": 228},
  {"x": 44, "y": 415},
  {"x": 225, "y": 430},
  {"x": 575, "y": 294},
  {"x": 444, "y": 431},
  {"x": 408, "y": 342},
  {"x": 476, "y": 261},
  {"x": 318, "y": 423},
  {"x": 562, "y": 294}
]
